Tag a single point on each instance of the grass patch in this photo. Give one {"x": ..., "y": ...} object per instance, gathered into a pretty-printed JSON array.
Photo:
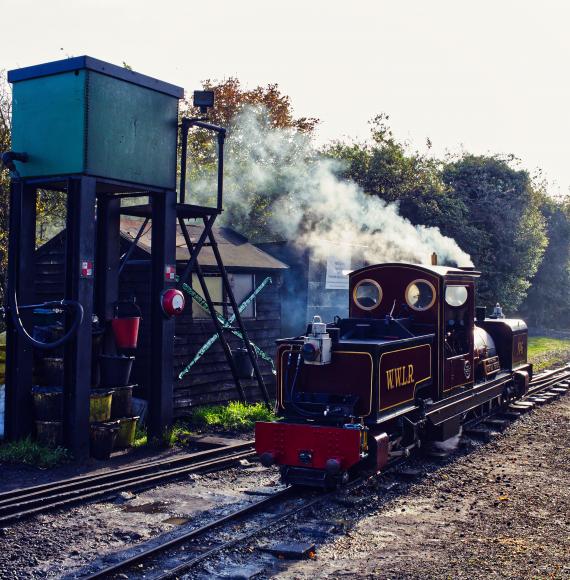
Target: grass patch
[
  {"x": 141, "y": 437},
  {"x": 234, "y": 416},
  {"x": 174, "y": 435},
  {"x": 545, "y": 352},
  {"x": 30, "y": 452},
  {"x": 177, "y": 434}
]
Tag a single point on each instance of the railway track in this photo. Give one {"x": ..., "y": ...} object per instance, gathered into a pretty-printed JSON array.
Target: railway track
[
  {"x": 19, "y": 504},
  {"x": 544, "y": 387},
  {"x": 23, "y": 503},
  {"x": 147, "y": 558},
  {"x": 549, "y": 379}
]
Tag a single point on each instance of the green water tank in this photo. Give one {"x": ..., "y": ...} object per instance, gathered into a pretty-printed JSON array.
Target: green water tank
[{"x": 85, "y": 116}]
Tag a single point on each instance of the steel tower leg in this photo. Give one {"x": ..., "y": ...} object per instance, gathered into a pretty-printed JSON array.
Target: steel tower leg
[
  {"x": 19, "y": 354},
  {"x": 163, "y": 268},
  {"x": 79, "y": 285}
]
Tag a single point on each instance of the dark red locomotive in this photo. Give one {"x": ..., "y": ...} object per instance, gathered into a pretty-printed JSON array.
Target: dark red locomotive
[{"x": 410, "y": 364}]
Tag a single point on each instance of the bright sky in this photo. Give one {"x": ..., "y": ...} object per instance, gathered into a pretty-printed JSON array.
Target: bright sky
[{"x": 484, "y": 76}]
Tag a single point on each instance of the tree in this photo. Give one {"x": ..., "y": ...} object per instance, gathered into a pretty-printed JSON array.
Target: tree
[
  {"x": 504, "y": 205},
  {"x": 5, "y": 138},
  {"x": 548, "y": 302},
  {"x": 383, "y": 167},
  {"x": 263, "y": 136},
  {"x": 490, "y": 209}
]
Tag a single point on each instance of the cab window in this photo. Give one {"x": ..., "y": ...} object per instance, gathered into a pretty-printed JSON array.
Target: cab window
[
  {"x": 420, "y": 295},
  {"x": 367, "y": 294},
  {"x": 456, "y": 295}
]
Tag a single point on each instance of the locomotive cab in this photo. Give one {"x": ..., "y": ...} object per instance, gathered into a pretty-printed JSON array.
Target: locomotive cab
[{"x": 403, "y": 366}]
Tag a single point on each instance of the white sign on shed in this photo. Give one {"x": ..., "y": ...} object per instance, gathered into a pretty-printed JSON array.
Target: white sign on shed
[{"x": 338, "y": 268}]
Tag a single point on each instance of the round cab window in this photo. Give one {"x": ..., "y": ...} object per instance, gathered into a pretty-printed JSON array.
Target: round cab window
[
  {"x": 420, "y": 295},
  {"x": 456, "y": 295},
  {"x": 367, "y": 294}
]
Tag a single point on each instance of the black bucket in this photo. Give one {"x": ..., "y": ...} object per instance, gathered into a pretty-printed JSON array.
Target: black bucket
[
  {"x": 48, "y": 403},
  {"x": 243, "y": 363},
  {"x": 115, "y": 370},
  {"x": 49, "y": 433},
  {"x": 102, "y": 437},
  {"x": 50, "y": 371},
  {"x": 122, "y": 403}
]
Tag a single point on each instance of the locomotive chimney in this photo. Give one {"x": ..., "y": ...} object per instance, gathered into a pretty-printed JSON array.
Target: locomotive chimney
[{"x": 434, "y": 259}]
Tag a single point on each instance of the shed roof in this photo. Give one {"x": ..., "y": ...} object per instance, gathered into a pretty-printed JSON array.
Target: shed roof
[{"x": 235, "y": 249}]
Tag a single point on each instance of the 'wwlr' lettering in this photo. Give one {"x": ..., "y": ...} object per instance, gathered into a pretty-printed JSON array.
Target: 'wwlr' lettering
[{"x": 400, "y": 377}]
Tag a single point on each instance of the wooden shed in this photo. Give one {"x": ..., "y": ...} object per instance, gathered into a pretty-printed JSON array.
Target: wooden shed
[
  {"x": 209, "y": 380},
  {"x": 313, "y": 285}
]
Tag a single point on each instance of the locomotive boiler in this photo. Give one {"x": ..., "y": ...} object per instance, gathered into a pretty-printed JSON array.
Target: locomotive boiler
[{"x": 412, "y": 362}]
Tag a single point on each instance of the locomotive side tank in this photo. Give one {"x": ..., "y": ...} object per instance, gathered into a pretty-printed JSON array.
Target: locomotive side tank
[{"x": 404, "y": 367}]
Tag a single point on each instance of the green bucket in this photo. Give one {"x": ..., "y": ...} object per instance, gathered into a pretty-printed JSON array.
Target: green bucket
[
  {"x": 100, "y": 406},
  {"x": 127, "y": 430}
]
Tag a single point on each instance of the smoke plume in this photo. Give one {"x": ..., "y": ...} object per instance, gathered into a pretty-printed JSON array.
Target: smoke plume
[{"x": 278, "y": 186}]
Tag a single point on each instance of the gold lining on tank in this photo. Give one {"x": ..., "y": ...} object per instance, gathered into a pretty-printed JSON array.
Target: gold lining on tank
[
  {"x": 285, "y": 348},
  {"x": 380, "y": 294},
  {"x": 380, "y": 408}
]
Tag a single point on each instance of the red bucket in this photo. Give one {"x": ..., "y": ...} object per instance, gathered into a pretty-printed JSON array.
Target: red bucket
[{"x": 126, "y": 331}]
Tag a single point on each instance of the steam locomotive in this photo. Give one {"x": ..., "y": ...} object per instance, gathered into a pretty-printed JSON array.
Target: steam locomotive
[{"x": 413, "y": 361}]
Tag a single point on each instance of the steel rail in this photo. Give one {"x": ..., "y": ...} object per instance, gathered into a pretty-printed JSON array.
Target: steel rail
[
  {"x": 539, "y": 384},
  {"x": 237, "y": 515},
  {"x": 77, "y": 482},
  {"x": 192, "y": 534},
  {"x": 546, "y": 381},
  {"x": 185, "y": 566},
  {"x": 550, "y": 374},
  {"x": 23, "y": 509}
]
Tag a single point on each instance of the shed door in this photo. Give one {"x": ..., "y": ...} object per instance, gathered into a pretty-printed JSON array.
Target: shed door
[{"x": 458, "y": 336}]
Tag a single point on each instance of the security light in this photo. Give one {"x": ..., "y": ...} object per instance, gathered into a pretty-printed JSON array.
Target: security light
[{"x": 204, "y": 100}]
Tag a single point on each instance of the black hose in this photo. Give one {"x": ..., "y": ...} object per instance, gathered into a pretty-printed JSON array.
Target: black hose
[
  {"x": 17, "y": 321},
  {"x": 299, "y": 410},
  {"x": 8, "y": 159}
]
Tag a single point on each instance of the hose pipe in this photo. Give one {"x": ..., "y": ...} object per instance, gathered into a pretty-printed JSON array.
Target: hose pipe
[
  {"x": 9, "y": 157},
  {"x": 64, "y": 304}
]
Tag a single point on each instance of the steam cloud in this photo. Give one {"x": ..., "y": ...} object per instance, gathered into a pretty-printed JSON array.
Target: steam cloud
[{"x": 278, "y": 173}]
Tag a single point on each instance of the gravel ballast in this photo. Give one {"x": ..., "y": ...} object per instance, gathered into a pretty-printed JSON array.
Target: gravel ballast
[{"x": 494, "y": 510}]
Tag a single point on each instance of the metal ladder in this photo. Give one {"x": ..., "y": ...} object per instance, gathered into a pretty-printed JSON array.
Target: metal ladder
[{"x": 207, "y": 238}]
